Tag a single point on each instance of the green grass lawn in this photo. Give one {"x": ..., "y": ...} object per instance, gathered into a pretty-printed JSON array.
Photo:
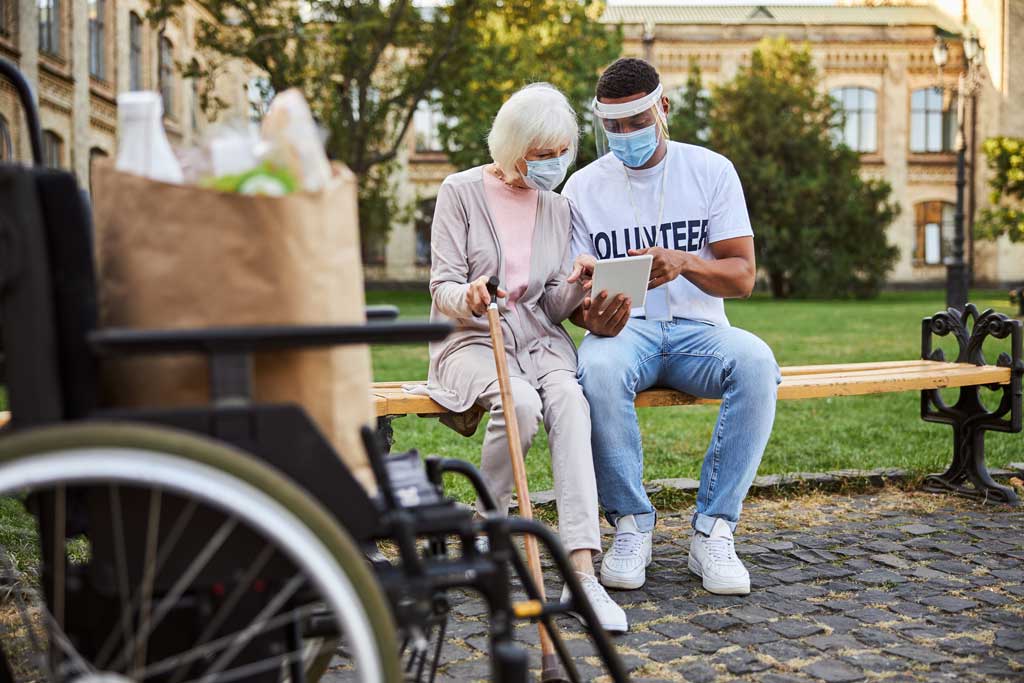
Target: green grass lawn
[{"x": 860, "y": 432}]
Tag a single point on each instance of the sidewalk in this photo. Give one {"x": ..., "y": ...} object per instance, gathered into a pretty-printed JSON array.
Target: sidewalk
[{"x": 888, "y": 585}]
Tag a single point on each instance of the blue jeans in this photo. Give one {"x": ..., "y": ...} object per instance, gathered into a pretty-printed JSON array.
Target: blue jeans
[{"x": 696, "y": 358}]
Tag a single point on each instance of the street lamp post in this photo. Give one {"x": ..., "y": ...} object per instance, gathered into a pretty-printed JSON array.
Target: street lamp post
[{"x": 967, "y": 87}]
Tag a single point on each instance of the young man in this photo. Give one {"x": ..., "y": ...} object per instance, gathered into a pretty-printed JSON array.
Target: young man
[{"x": 683, "y": 205}]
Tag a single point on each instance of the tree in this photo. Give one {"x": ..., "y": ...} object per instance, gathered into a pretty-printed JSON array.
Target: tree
[
  {"x": 363, "y": 65},
  {"x": 689, "y": 114},
  {"x": 1005, "y": 159},
  {"x": 516, "y": 43},
  {"x": 820, "y": 228}
]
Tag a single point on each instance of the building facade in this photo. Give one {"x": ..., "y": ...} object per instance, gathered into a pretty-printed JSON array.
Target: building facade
[
  {"x": 79, "y": 54},
  {"x": 877, "y": 61}
]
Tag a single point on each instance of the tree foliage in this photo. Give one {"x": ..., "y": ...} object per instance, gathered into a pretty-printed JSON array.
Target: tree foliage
[
  {"x": 820, "y": 228},
  {"x": 1005, "y": 159},
  {"x": 514, "y": 43},
  {"x": 690, "y": 111}
]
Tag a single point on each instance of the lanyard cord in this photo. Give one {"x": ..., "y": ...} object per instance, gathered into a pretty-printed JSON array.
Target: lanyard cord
[{"x": 661, "y": 201}]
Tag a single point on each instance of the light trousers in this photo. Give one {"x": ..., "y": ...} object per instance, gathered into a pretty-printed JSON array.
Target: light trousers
[{"x": 559, "y": 402}]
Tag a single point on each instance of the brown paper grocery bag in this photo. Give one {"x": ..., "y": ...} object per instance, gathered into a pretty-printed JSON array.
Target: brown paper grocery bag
[{"x": 175, "y": 256}]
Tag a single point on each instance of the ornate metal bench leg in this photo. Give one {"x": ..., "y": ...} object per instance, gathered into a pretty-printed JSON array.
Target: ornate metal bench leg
[
  {"x": 969, "y": 418},
  {"x": 385, "y": 433}
]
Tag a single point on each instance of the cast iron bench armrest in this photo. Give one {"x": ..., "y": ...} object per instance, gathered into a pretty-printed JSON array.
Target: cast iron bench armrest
[
  {"x": 219, "y": 340},
  {"x": 385, "y": 312}
]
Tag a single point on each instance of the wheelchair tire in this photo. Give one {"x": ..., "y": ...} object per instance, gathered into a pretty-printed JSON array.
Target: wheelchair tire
[{"x": 132, "y": 459}]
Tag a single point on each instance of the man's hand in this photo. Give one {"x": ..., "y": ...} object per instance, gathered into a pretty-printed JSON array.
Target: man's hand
[
  {"x": 583, "y": 270},
  {"x": 668, "y": 264},
  {"x": 477, "y": 296},
  {"x": 606, "y": 317}
]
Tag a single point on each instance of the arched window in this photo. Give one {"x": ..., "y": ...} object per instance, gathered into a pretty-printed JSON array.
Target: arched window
[
  {"x": 49, "y": 26},
  {"x": 932, "y": 123},
  {"x": 97, "y": 38},
  {"x": 6, "y": 144},
  {"x": 860, "y": 122},
  {"x": 166, "y": 72},
  {"x": 426, "y": 122},
  {"x": 135, "y": 51},
  {"x": 53, "y": 149},
  {"x": 197, "y": 97},
  {"x": 934, "y": 232},
  {"x": 95, "y": 154}
]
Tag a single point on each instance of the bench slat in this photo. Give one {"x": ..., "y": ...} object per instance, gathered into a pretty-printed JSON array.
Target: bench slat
[{"x": 798, "y": 382}]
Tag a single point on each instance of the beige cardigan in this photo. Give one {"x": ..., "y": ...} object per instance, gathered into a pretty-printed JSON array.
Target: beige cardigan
[{"x": 464, "y": 246}]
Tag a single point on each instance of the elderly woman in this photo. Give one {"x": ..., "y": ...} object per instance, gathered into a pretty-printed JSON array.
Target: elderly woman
[{"x": 503, "y": 219}]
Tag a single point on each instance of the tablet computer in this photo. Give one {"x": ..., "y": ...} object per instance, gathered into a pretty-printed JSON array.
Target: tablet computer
[{"x": 628, "y": 275}]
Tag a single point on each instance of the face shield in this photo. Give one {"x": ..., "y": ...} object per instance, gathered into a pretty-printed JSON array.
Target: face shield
[{"x": 630, "y": 130}]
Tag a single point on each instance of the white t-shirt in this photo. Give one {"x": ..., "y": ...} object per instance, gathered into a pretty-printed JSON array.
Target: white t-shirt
[{"x": 703, "y": 204}]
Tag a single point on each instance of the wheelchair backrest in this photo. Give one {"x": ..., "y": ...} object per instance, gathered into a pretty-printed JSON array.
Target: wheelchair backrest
[{"x": 47, "y": 295}]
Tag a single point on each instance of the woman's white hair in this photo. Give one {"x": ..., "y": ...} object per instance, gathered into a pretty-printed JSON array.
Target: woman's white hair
[{"x": 536, "y": 117}]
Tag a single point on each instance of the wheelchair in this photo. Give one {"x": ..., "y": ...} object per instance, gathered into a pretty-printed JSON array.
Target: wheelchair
[{"x": 223, "y": 542}]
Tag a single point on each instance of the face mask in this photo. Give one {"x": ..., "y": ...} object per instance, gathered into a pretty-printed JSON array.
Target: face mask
[
  {"x": 546, "y": 174},
  {"x": 634, "y": 149}
]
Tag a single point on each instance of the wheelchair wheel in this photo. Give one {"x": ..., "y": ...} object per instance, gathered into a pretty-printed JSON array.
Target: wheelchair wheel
[{"x": 167, "y": 557}]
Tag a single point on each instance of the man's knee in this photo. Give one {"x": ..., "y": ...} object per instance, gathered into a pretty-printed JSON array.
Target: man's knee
[{"x": 755, "y": 366}]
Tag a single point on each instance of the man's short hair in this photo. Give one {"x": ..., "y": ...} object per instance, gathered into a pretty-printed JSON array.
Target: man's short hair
[{"x": 627, "y": 76}]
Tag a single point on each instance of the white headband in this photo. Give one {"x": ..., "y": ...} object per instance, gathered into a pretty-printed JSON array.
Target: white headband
[{"x": 632, "y": 108}]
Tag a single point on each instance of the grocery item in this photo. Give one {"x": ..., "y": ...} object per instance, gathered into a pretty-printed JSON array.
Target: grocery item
[
  {"x": 293, "y": 140},
  {"x": 143, "y": 148}
]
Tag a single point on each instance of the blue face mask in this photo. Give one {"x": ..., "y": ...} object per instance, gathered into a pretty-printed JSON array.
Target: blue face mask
[
  {"x": 546, "y": 174},
  {"x": 635, "y": 148}
]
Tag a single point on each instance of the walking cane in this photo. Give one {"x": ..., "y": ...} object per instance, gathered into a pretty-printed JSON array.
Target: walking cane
[{"x": 550, "y": 669}]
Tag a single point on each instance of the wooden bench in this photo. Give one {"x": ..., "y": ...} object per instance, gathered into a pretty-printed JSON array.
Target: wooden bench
[{"x": 968, "y": 416}]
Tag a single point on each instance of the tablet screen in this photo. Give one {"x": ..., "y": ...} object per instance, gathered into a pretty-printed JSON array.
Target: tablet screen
[{"x": 628, "y": 275}]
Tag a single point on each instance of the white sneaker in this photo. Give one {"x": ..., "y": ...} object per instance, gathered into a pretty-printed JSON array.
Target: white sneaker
[
  {"x": 713, "y": 558},
  {"x": 625, "y": 563},
  {"x": 611, "y": 616}
]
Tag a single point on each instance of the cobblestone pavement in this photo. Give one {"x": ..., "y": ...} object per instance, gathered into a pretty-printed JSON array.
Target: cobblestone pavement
[{"x": 888, "y": 585}]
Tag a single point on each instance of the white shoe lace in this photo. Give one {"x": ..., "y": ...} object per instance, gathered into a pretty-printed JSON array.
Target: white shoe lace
[
  {"x": 594, "y": 590},
  {"x": 627, "y": 545},
  {"x": 720, "y": 550}
]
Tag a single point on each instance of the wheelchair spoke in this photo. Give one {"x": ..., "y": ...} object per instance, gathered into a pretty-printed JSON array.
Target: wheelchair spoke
[
  {"x": 183, "y": 582},
  {"x": 254, "y": 629},
  {"x": 146, "y": 592},
  {"x": 180, "y": 525},
  {"x": 179, "y": 660},
  {"x": 122, "y": 565},
  {"x": 225, "y": 610}
]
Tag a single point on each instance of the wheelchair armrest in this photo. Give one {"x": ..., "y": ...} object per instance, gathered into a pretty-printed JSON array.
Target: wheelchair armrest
[
  {"x": 243, "y": 340},
  {"x": 378, "y": 313}
]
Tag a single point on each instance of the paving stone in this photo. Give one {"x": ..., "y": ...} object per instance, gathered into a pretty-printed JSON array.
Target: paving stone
[
  {"x": 950, "y": 603},
  {"x": 918, "y": 654},
  {"x": 834, "y": 642},
  {"x": 870, "y": 661},
  {"x": 871, "y": 615},
  {"x": 908, "y": 609},
  {"x": 838, "y": 623},
  {"x": 707, "y": 643},
  {"x": 890, "y": 560},
  {"x": 918, "y": 529},
  {"x": 698, "y": 672},
  {"x": 878, "y": 638},
  {"x": 753, "y": 614},
  {"x": 787, "y": 650},
  {"x": 741, "y": 662},
  {"x": 676, "y": 629},
  {"x": 1010, "y": 640},
  {"x": 834, "y": 671},
  {"x": 795, "y": 628},
  {"x": 751, "y": 635},
  {"x": 715, "y": 622},
  {"x": 798, "y": 591}
]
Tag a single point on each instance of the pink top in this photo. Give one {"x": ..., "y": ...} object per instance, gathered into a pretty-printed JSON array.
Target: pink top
[{"x": 514, "y": 211}]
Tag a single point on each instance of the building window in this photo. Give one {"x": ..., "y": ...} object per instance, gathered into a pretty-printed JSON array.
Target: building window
[
  {"x": 167, "y": 75},
  {"x": 934, "y": 235},
  {"x": 197, "y": 97},
  {"x": 858, "y": 129},
  {"x": 97, "y": 38},
  {"x": 95, "y": 154},
  {"x": 5, "y": 21},
  {"x": 932, "y": 125},
  {"x": 49, "y": 26},
  {"x": 53, "y": 149},
  {"x": 424, "y": 217},
  {"x": 135, "y": 51},
  {"x": 426, "y": 125},
  {"x": 6, "y": 144}
]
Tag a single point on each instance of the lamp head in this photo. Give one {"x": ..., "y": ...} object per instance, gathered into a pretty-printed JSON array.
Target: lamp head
[
  {"x": 972, "y": 48},
  {"x": 940, "y": 52}
]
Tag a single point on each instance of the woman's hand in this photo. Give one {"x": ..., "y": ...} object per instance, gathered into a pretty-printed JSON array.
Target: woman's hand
[
  {"x": 583, "y": 270},
  {"x": 477, "y": 296}
]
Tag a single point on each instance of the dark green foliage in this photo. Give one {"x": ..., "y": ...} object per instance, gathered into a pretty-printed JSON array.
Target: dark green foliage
[
  {"x": 1005, "y": 159},
  {"x": 820, "y": 228},
  {"x": 689, "y": 117},
  {"x": 516, "y": 43}
]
